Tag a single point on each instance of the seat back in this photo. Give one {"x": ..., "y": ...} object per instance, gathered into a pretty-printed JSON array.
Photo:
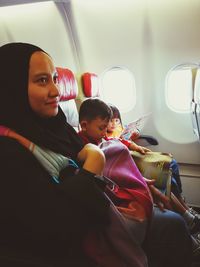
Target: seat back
[
  {"x": 68, "y": 93},
  {"x": 88, "y": 87},
  {"x": 90, "y": 84}
]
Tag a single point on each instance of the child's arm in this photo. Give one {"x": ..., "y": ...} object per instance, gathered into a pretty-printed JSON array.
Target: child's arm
[
  {"x": 134, "y": 147},
  {"x": 93, "y": 158}
]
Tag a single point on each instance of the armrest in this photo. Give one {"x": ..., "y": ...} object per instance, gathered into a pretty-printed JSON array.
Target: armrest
[{"x": 146, "y": 140}]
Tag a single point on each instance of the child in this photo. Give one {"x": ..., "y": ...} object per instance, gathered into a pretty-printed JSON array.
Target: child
[{"x": 115, "y": 128}]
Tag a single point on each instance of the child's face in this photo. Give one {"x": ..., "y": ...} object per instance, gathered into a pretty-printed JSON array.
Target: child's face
[
  {"x": 113, "y": 124},
  {"x": 95, "y": 129}
]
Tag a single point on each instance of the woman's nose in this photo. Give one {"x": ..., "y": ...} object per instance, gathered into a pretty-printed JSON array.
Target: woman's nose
[{"x": 54, "y": 90}]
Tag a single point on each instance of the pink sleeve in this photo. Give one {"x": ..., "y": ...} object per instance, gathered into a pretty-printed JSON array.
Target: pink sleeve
[{"x": 127, "y": 143}]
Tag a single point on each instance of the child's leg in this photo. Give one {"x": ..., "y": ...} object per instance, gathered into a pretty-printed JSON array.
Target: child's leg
[
  {"x": 93, "y": 158},
  {"x": 176, "y": 192},
  {"x": 192, "y": 221},
  {"x": 177, "y": 205},
  {"x": 176, "y": 176},
  {"x": 176, "y": 186}
]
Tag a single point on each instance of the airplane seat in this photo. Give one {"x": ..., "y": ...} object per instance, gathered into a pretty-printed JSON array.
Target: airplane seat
[
  {"x": 195, "y": 103},
  {"x": 90, "y": 87},
  {"x": 68, "y": 92},
  {"x": 88, "y": 84},
  {"x": 146, "y": 140}
]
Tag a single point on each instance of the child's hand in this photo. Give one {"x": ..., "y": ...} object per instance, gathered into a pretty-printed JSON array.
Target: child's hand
[{"x": 140, "y": 149}]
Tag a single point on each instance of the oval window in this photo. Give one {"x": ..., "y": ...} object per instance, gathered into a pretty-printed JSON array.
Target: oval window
[
  {"x": 118, "y": 88},
  {"x": 180, "y": 84}
]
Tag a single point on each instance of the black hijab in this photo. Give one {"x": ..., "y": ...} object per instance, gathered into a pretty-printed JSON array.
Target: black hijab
[{"x": 15, "y": 112}]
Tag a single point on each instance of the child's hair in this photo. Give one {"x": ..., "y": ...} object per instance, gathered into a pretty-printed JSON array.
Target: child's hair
[
  {"x": 116, "y": 113},
  {"x": 92, "y": 108}
]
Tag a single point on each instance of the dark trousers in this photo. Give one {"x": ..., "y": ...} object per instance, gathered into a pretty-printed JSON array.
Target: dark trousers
[
  {"x": 168, "y": 242},
  {"x": 176, "y": 185}
]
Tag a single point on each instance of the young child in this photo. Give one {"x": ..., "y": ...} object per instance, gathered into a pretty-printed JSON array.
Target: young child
[{"x": 115, "y": 128}]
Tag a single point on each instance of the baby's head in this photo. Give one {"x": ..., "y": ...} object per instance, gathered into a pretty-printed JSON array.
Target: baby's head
[
  {"x": 115, "y": 121},
  {"x": 94, "y": 117}
]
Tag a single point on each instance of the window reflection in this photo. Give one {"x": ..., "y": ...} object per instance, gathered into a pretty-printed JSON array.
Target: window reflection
[
  {"x": 118, "y": 88},
  {"x": 180, "y": 84}
]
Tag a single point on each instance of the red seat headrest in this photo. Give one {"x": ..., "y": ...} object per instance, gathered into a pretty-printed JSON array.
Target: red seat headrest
[
  {"x": 90, "y": 84},
  {"x": 67, "y": 84}
]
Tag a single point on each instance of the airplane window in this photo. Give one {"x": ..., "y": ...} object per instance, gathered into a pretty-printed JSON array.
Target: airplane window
[
  {"x": 118, "y": 88},
  {"x": 179, "y": 88}
]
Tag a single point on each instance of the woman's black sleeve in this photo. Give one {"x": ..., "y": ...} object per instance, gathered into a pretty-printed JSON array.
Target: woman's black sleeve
[{"x": 31, "y": 203}]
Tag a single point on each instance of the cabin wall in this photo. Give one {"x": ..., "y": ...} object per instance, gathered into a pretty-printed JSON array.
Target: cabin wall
[
  {"x": 149, "y": 38},
  {"x": 40, "y": 24}
]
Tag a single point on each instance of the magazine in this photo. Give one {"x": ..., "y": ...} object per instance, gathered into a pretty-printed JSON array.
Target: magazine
[
  {"x": 155, "y": 165},
  {"x": 134, "y": 126}
]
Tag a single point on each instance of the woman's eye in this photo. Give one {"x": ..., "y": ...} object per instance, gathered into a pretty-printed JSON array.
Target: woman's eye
[{"x": 42, "y": 80}]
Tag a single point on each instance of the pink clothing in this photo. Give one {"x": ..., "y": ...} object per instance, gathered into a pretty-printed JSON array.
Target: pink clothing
[
  {"x": 87, "y": 140},
  {"x": 127, "y": 143},
  {"x": 121, "y": 168}
]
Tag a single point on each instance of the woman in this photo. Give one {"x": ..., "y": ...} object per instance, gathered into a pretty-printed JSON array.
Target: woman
[
  {"x": 39, "y": 219},
  {"x": 52, "y": 212}
]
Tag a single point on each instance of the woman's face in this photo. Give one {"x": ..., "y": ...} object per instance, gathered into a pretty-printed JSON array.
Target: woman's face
[{"x": 43, "y": 91}]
